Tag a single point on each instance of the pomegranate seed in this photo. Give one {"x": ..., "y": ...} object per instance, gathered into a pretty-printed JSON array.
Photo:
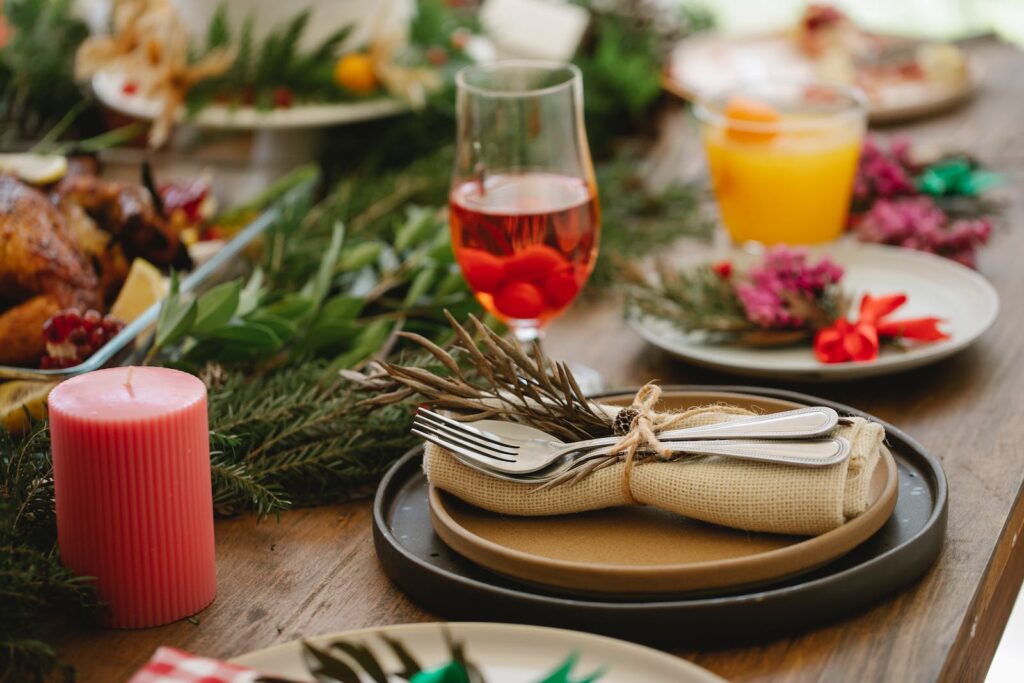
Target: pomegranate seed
[{"x": 283, "y": 98}]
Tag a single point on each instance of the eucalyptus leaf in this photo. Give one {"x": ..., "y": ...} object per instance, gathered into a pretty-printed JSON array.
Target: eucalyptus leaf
[
  {"x": 420, "y": 223},
  {"x": 293, "y": 307},
  {"x": 360, "y": 256},
  {"x": 246, "y": 336},
  {"x": 175, "y": 319},
  {"x": 251, "y": 294},
  {"x": 319, "y": 286},
  {"x": 285, "y": 329},
  {"x": 217, "y": 306},
  {"x": 368, "y": 343},
  {"x": 421, "y": 282},
  {"x": 342, "y": 307}
]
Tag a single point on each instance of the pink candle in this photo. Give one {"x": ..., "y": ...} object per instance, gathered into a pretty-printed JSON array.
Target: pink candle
[{"x": 131, "y": 470}]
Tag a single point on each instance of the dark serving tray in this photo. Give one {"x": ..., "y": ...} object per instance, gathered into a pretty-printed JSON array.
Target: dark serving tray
[{"x": 453, "y": 587}]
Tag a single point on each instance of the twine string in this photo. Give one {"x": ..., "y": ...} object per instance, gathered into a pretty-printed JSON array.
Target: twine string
[{"x": 642, "y": 437}]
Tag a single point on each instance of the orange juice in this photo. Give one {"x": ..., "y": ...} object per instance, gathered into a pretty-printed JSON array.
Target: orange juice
[{"x": 785, "y": 178}]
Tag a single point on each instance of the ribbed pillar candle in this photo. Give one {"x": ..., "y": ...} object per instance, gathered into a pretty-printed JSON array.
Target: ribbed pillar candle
[{"x": 131, "y": 471}]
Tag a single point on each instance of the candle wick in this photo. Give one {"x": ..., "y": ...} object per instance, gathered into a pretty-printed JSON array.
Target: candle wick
[{"x": 128, "y": 381}]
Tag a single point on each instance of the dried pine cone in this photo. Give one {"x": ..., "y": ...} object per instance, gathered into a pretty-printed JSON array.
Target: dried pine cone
[{"x": 624, "y": 421}]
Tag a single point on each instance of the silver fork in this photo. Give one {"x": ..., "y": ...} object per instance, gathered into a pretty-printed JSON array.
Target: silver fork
[
  {"x": 519, "y": 449},
  {"x": 806, "y": 453}
]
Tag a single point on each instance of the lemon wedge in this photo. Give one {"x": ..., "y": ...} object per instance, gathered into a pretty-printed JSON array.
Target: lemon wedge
[
  {"x": 143, "y": 287},
  {"x": 17, "y": 397},
  {"x": 37, "y": 169}
]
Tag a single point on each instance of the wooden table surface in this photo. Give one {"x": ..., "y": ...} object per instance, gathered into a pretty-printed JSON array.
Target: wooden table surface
[{"x": 316, "y": 572}]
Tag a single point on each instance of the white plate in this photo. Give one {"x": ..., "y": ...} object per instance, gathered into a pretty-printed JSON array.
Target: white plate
[
  {"x": 505, "y": 653},
  {"x": 713, "y": 63},
  {"x": 934, "y": 286},
  {"x": 109, "y": 88}
]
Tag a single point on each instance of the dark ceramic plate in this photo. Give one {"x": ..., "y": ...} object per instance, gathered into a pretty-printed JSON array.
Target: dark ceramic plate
[{"x": 452, "y": 586}]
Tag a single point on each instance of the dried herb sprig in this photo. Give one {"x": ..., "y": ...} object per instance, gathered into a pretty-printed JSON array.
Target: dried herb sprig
[{"x": 486, "y": 375}]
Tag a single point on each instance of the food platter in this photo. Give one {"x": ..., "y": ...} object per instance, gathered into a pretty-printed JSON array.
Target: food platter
[
  {"x": 109, "y": 87},
  {"x": 455, "y": 587},
  {"x": 123, "y": 343}
]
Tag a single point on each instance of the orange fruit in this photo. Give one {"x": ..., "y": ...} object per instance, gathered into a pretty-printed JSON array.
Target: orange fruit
[
  {"x": 354, "y": 72},
  {"x": 745, "y": 110}
]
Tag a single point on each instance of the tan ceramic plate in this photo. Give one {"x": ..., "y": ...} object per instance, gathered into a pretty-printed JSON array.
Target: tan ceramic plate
[{"x": 639, "y": 551}]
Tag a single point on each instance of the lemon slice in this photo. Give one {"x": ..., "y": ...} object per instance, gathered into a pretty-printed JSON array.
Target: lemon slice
[
  {"x": 17, "y": 397},
  {"x": 143, "y": 287},
  {"x": 38, "y": 169}
]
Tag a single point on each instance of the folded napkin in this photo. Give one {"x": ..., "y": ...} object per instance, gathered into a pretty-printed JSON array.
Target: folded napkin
[
  {"x": 169, "y": 665},
  {"x": 754, "y": 496}
]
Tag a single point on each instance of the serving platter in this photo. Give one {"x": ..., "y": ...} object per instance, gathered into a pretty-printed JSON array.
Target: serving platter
[
  {"x": 505, "y": 653},
  {"x": 109, "y": 87},
  {"x": 642, "y": 551},
  {"x": 194, "y": 282},
  {"x": 710, "y": 63},
  {"x": 453, "y": 586},
  {"x": 966, "y": 301}
]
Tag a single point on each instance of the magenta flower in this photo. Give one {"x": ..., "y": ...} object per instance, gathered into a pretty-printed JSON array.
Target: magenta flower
[
  {"x": 918, "y": 223},
  {"x": 783, "y": 271}
]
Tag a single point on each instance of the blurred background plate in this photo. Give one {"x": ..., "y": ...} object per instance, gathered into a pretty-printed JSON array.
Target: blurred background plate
[
  {"x": 712, "y": 63},
  {"x": 935, "y": 286}
]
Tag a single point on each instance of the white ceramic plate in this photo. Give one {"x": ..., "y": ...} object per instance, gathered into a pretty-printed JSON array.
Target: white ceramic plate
[
  {"x": 713, "y": 63},
  {"x": 934, "y": 286},
  {"x": 505, "y": 653},
  {"x": 109, "y": 88}
]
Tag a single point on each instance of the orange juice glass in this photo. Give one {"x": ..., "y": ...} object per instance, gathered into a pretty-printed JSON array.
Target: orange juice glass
[{"x": 782, "y": 158}]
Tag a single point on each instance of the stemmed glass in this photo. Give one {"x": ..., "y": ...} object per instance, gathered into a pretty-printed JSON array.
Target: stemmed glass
[{"x": 524, "y": 213}]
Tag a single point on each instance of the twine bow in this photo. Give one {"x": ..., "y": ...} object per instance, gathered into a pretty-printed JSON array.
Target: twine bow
[{"x": 642, "y": 431}]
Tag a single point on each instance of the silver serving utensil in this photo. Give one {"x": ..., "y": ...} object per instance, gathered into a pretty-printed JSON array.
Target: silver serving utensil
[
  {"x": 518, "y": 449},
  {"x": 806, "y": 453}
]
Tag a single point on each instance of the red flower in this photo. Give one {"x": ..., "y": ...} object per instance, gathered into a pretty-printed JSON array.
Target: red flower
[
  {"x": 723, "y": 269},
  {"x": 845, "y": 341}
]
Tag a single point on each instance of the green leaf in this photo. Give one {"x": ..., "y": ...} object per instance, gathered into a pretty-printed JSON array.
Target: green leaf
[
  {"x": 175, "y": 320},
  {"x": 342, "y": 307},
  {"x": 420, "y": 223},
  {"x": 369, "y": 341},
  {"x": 246, "y": 337},
  {"x": 219, "y": 34},
  {"x": 321, "y": 283},
  {"x": 360, "y": 256},
  {"x": 251, "y": 294},
  {"x": 419, "y": 286},
  {"x": 285, "y": 329},
  {"x": 292, "y": 307},
  {"x": 217, "y": 306}
]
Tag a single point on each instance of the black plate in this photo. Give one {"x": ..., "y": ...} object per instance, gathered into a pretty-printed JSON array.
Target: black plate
[{"x": 452, "y": 586}]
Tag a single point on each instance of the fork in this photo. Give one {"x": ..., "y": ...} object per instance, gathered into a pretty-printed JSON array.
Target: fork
[
  {"x": 807, "y": 453},
  {"x": 518, "y": 449}
]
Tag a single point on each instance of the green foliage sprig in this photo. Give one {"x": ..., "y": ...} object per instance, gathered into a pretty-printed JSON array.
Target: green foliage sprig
[
  {"x": 32, "y": 579},
  {"x": 37, "y": 86}
]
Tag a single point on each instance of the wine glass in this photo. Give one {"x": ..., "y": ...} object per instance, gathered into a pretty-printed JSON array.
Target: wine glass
[{"x": 523, "y": 206}]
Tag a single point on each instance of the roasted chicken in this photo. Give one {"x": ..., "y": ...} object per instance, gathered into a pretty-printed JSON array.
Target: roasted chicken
[
  {"x": 71, "y": 249},
  {"x": 42, "y": 269}
]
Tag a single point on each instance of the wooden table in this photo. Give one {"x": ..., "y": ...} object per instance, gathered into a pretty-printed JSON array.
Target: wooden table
[{"x": 316, "y": 572}]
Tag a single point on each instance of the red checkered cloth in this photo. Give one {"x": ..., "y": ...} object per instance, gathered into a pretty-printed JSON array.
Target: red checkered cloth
[{"x": 169, "y": 665}]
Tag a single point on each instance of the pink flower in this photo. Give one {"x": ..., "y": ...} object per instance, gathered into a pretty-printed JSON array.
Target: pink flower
[
  {"x": 918, "y": 223},
  {"x": 783, "y": 271}
]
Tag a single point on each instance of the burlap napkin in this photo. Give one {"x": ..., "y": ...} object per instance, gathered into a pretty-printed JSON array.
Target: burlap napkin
[{"x": 754, "y": 496}]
